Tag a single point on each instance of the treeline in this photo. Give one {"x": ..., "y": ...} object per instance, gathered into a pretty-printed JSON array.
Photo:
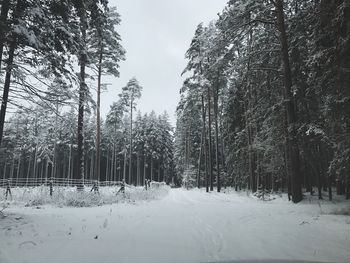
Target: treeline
[
  {"x": 266, "y": 101},
  {"x": 41, "y": 144},
  {"x": 52, "y": 54}
]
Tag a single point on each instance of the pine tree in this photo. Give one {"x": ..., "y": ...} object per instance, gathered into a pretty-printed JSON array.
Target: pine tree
[
  {"x": 106, "y": 53},
  {"x": 42, "y": 50},
  {"x": 130, "y": 93}
]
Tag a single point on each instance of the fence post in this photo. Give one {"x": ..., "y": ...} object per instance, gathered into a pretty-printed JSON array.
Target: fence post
[
  {"x": 122, "y": 188},
  {"x": 51, "y": 186},
  {"x": 8, "y": 189},
  {"x": 95, "y": 187}
]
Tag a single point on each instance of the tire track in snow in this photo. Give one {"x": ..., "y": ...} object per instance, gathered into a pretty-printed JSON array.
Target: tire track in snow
[
  {"x": 211, "y": 239},
  {"x": 207, "y": 238}
]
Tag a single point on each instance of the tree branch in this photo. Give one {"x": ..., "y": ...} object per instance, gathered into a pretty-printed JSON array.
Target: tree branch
[{"x": 274, "y": 3}]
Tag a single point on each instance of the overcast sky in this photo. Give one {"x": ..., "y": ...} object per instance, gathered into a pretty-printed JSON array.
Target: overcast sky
[{"x": 156, "y": 35}]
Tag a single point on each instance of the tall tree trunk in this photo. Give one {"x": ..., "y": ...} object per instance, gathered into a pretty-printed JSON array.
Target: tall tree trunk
[
  {"x": 87, "y": 167},
  {"x": 35, "y": 162},
  {"x": 124, "y": 170},
  {"x": 319, "y": 182},
  {"x": 223, "y": 163},
  {"x": 63, "y": 167},
  {"x": 144, "y": 168},
  {"x": 92, "y": 177},
  {"x": 252, "y": 164},
  {"x": 210, "y": 161},
  {"x": 252, "y": 160},
  {"x": 287, "y": 160},
  {"x": 69, "y": 161},
  {"x": 82, "y": 94},
  {"x": 118, "y": 176},
  {"x": 28, "y": 170},
  {"x": 47, "y": 168},
  {"x": 98, "y": 117},
  {"x": 130, "y": 156},
  {"x": 5, "y": 168},
  {"x": 290, "y": 108},
  {"x": 158, "y": 172},
  {"x": 20, "y": 8},
  {"x": 216, "y": 113},
  {"x": 330, "y": 194},
  {"x": 12, "y": 168},
  {"x": 200, "y": 162},
  {"x": 42, "y": 170},
  {"x": 113, "y": 164},
  {"x": 205, "y": 146},
  {"x": 138, "y": 169},
  {"x": 107, "y": 164},
  {"x": 5, "y": 6},
  {"x": 6, "y": 91},
  {"x": 4, "y": 171},
  {"x": 18, "y": 167},
  {"x": 152, "y": 163},
  {"x": 222, "y": 148},
  {"x": 54, "y": 163}
]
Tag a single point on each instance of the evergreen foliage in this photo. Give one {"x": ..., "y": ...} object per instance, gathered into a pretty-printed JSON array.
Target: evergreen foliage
[{"x": 278, "y": 72}]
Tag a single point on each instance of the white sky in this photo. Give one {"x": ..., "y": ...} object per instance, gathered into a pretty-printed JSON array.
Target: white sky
[{"x": 156, "y": 35}]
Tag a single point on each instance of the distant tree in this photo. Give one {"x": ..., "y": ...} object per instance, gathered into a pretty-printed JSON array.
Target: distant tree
[
  {"x": 130, "y": 93},
  {"x": 189, "y": 136},
  {"x": 189, "y": 177}
]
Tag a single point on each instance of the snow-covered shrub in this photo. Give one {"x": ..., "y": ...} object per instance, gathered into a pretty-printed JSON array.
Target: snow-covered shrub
[
  {"x": 264, "y": 195},
  {"x": 157, "y": 184},
  {"x": 189, "y": 177},
  {"x": 82, "y": 199},
  {"x": 69, "y": 196}
]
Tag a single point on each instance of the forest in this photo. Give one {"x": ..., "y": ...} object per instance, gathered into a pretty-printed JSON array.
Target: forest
[
  {"x": 264, "y": 106},
  {"x": 54, "y": 54},
  {"x": 174, "y": 131}
]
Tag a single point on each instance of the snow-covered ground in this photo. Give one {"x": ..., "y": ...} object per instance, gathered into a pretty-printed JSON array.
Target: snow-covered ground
[{"x": 183, "y": 226}]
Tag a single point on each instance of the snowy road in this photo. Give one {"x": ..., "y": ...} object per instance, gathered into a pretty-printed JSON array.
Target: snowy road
[{"x": 185, "y": 226}]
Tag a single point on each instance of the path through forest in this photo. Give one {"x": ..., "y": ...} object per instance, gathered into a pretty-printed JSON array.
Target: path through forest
[{"x": 185, "y": 226}]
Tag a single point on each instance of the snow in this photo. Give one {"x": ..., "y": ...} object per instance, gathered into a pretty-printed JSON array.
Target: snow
[
  {"x": 68, "y": 196},
  {"x": 182, "y": 226}
]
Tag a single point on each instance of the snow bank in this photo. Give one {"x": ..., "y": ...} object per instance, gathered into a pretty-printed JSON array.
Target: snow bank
[{"x": 69, "y": 196}]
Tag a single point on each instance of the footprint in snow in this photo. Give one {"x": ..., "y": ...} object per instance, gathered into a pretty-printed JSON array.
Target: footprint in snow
[
  {"x": 105, "y": 223},
  {"x": 27, "y": 244}
]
